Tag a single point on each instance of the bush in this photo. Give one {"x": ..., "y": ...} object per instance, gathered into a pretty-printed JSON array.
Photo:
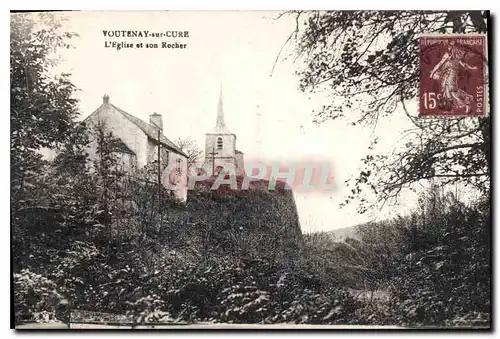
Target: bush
[
  {"x": 36, "y": 298},
  {"x": 445, "y": 272},
  {"x": 244, "y": 291}
]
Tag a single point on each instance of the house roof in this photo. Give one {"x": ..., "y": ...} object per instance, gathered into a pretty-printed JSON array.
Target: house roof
[
  {"x": 150, "y": 130},
  {"x": 121, "y": 147}
]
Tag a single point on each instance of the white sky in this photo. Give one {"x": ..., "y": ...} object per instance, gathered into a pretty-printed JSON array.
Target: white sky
[{"x": 239, "y": 49}]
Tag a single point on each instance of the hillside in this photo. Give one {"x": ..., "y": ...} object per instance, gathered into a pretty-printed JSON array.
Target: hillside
[
  {"x": 256, "y": 222},
  {"x": 341, "y": 234}
]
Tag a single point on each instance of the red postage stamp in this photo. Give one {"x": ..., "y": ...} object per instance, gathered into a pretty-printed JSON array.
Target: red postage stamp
[{"x": 453, "y": 75}]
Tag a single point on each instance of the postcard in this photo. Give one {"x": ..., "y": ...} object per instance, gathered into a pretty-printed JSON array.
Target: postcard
[{"x": 250, "y": 169}]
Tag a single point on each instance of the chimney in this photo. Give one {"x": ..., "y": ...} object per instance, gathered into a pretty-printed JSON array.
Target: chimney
[{"x": 156, "y": 120}]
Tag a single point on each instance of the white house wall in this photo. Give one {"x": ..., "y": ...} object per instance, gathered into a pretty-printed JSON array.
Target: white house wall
[{"x": 121, "y": 127}]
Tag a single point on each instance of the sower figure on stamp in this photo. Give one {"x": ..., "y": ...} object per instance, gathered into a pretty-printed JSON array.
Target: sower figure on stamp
[{"x": 447, "y": 72}]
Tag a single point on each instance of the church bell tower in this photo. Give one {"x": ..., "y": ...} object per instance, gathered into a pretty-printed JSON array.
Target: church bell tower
[{"x": 220, "y": 143}]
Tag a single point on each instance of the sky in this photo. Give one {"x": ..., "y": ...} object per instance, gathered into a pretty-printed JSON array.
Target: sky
[{"x": 272, "y": 119}]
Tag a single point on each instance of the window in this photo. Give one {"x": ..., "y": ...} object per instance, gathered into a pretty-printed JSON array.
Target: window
[
  {"x": 219, "y": 143},
  {"x": 179, "y": 165}
]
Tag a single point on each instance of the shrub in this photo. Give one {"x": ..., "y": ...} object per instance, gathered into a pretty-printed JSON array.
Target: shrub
[{"x": 36, "y": 298}]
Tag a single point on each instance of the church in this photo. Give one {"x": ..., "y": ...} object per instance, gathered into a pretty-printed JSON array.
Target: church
[{"x": 220, "y": 145}]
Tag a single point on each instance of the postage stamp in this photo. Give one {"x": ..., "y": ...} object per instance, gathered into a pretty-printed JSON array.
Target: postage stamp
[{"x": 453, "y": 75}]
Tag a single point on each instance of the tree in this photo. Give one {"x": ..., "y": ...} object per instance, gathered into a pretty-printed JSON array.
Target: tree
[
  {"x": 42, "y": 108},
  {"x": 191, "y": 149},
  {"x": 72, "y": 157},
  {"x": 368, "y": 61}
]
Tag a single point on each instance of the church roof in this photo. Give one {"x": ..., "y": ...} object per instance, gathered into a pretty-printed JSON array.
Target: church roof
[
  {"x": 220, "y": 125},
  {"x": 150, "y": 130}
]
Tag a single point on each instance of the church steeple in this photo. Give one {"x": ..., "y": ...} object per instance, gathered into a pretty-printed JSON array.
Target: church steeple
[
  {"x": 220, "y": 111},
  {"x": 220, "y": 143},
  {"x": 220, "y": 125}
]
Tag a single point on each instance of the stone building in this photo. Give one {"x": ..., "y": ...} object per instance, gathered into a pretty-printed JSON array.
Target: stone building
[{"x": 138, "y": 143}]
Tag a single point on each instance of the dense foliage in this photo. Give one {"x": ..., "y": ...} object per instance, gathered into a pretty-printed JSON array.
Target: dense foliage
[
  {"x": 430, "y": 268},
  {"x": 42, "y": 107}
]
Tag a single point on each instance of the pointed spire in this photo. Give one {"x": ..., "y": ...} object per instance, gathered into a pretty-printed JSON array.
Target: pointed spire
[
  {"x": 220, "y": 110},
  {"x": 220, "y": 126}
]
